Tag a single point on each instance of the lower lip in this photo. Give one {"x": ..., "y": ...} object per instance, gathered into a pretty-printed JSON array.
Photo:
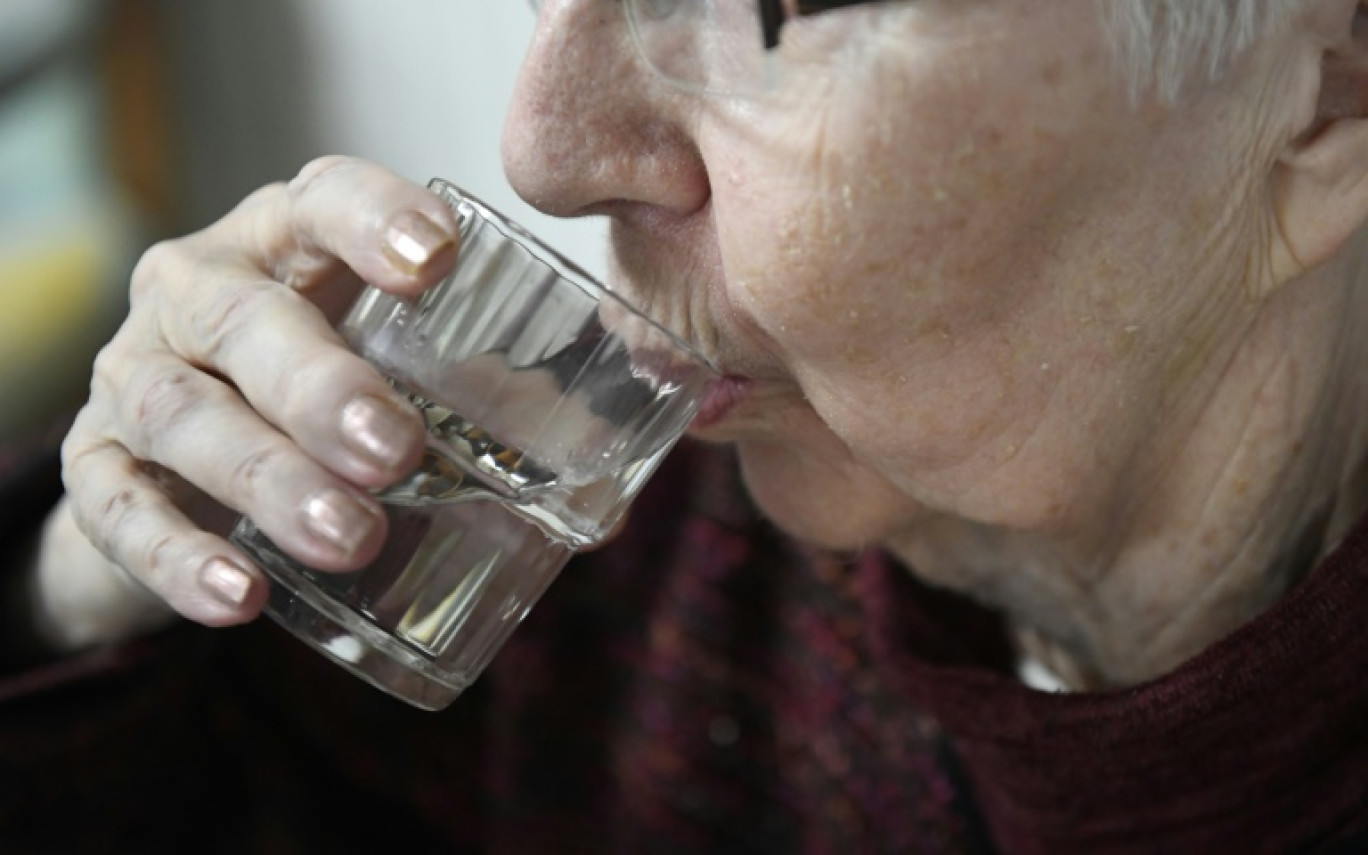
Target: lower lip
[{"x": 723, "y": 398}]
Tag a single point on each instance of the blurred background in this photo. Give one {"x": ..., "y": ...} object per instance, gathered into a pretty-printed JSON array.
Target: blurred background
[{"x": 123, "y": 121}]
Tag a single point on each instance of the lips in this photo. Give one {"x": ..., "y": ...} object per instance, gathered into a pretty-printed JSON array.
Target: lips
[
  {"x": 697, "y": 306},
  {"x": 726, "y": 394}
]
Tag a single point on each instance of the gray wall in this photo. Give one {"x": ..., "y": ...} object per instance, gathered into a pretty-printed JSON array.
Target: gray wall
[{"x": 419, "y": 85}]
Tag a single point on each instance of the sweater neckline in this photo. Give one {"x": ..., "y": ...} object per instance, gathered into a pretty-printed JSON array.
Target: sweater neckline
[{"x": 1261, "y": 737}]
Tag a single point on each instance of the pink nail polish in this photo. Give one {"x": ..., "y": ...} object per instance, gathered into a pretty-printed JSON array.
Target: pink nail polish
[
  {"x": 229, "y": 583},
  {"x": 412, "y": 240}
]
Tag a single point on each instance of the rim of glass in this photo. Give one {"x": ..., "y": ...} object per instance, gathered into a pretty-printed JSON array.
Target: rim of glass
[{"x": 560, "y": 265}]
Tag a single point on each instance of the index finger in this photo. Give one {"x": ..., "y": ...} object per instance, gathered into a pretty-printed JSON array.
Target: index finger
[{"x": 392, "y": 233}]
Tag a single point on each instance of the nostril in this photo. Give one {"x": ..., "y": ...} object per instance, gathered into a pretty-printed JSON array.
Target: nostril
[{"x": 584, "y": 129}]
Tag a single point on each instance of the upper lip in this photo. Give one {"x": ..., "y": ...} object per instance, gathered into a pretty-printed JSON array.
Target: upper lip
[
  {"x": 735, "y": 365},
  {"x": 656, "y": 254}
]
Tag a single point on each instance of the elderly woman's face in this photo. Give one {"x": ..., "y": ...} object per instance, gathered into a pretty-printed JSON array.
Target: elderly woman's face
[{"x": 961, "y": 275}]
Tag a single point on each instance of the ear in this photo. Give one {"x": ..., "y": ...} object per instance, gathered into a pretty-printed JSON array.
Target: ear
[{"x": 1321, "y": 179}]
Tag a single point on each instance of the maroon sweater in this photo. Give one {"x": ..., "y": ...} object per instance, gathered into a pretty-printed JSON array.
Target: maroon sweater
[{"x": 705, "y": 685}]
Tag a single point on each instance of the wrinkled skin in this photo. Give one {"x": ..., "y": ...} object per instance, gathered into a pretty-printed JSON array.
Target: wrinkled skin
[
  {"x": 977, "y": 307},
  {"x": 228, "y": 374}
]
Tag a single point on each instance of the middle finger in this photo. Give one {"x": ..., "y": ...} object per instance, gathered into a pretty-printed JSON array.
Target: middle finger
[
  {"x": 287, "y": 362},
  {"x": 200, "y": 428}
]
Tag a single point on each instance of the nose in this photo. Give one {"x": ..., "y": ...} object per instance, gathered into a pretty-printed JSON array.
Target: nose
[{"x": 590, "y": 128}]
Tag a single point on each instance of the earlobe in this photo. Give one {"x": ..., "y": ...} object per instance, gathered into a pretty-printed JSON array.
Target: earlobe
[{"x": 1321, "y": 180}]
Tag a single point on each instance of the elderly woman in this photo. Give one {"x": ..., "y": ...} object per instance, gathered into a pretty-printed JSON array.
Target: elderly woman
[{"x": 1043, "y": 326}]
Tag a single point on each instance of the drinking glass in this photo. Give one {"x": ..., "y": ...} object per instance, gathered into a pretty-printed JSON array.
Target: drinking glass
[{"x": 549, "y": 402}]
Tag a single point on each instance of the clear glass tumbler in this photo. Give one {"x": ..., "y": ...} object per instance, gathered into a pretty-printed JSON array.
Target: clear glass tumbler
[{"x": 549, "y": 402}]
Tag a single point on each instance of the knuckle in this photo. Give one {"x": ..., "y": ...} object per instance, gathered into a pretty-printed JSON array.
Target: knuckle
[
  {"x": 104, "y": 509},
  {"x": 297, "y": 385},
  {"x": 317, "y": 171},
  {"x": 224, "y": 238},
  {"x": 161, "y": 560},
  {"x": 220, "y": 319},
  {"x": 77, "y": 456},
  {"x": 115, "y": 507},
  {"x": 107, "y": 370},
  {"x": 250, "y": 472},
  {"x": 112, "y": 516},
  {"x": 310, "y": 256},
  {"x": 169, "y": 399},
  {"x": 168, "y": 396},
  {"x": 159, "y": 265},
  {"x": 284, "y": 391},
  {"x": 79, "y": 443},
  {"x": 264, "y": 196}
]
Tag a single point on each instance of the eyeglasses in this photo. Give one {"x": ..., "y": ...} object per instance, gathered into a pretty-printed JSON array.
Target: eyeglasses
[{"x": 717, "y": 47}]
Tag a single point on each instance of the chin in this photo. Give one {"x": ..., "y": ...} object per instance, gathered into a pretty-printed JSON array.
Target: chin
[{"x": 822, "y": 499}]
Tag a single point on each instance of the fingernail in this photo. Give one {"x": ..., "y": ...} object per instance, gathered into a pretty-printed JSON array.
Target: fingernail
[
  {"x": 412, "y": 240},
  {"x": 226, "y": 581},
  {"x": 377, "y": 429},
  {"x": 338, "y": 519}
]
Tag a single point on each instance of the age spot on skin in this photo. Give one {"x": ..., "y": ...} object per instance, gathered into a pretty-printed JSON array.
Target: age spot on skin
[{"x": 1053, "y": 73}]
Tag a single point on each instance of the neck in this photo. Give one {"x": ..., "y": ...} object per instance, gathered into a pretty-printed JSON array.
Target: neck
[{"x": 1255, "y": 478}]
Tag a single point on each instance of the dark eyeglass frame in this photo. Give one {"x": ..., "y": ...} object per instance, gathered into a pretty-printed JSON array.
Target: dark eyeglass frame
[{"x": 773, "y": 16}]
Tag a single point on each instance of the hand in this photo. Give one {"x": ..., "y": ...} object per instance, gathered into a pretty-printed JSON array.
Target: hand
[{"x": 228, "y": 382}]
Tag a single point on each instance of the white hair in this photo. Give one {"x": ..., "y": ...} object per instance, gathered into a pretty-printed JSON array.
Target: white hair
[{"x": 1164, "y": 46}]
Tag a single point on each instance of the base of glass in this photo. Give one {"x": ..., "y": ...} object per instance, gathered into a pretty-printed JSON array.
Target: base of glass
[{"x": 363, "y": 649}]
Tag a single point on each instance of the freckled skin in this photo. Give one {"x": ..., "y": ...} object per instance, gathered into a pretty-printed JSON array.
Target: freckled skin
[
  {"x": 990, "y": 305},
  {"x": 966, "y": 291}
]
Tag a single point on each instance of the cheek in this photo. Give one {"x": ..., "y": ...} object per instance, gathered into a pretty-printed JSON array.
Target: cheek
[
  {"x": 864, "y": 272},
  {"x": 846, "y": 230},
  {"x": 908, "y": 200},
  {"x": 910, "y": 279}
]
